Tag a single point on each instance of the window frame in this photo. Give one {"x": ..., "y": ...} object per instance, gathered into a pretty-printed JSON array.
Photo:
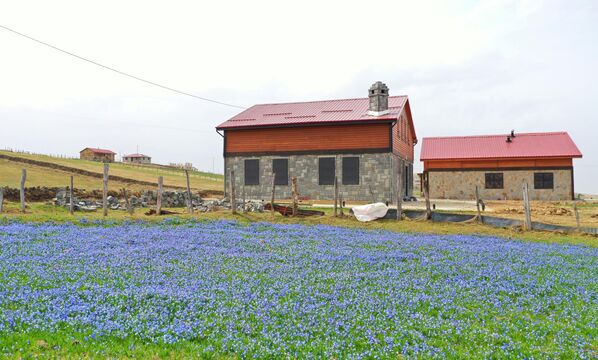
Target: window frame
[
  {"x": 278, "y": 174},
  {"x": 245, "y": 174},
  {"x": 544, "y": 183},
  {"x": 331, "y": 180},
  {"x": 346, "y": 178},
  {"x": 488, "y": 183}
]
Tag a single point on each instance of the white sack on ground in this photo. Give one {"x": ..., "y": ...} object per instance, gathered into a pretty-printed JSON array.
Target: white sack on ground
[{"x": 370, "y": 212}]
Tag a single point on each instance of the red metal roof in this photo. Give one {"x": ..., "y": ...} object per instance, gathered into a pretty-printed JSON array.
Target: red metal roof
[
  {"x": 136, "y": 155},
  {"x": 314, "y": 112},
  {"x": 100, "y": 151},
  {"x": 531, "y": 145}
]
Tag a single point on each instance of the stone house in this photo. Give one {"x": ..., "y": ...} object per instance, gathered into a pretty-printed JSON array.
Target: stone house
[
  {"x": 137, "y": 159},
  {"x": 366, "y": 143},
  {"x": 499, "y": 164},
  {"x": 95, "y": 154}
]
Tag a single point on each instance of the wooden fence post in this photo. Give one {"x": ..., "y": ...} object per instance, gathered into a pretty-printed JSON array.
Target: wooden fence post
[
  {"x": 477, "y": 203},
  {"x": 1, "y": 199},
  {"x": 427, "y": 195},
  {"x": 105, "y": 192},
  {"x": 23, "y": 178},
  {"x": 244, "y": 210},
  {"x": 273, "y": 189},
  {"x": 130, "y": 209},
  {"x": 295, "y": 194},
  {"x": 233, "y": 203},
  {"x": 340, "y": 204},
  {"x": 159, "y": 196},
  {"x": 335, "y": 196},
  {"x": 399, "y": 195},
  {"x": 189, "y": 196},
  {"x": 527, "y": 223},
  {"x": 576, "y": 215},
  {"x": 72, "y": 204}
]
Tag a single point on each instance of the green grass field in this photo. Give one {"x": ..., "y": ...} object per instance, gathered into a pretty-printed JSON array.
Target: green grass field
[{"x": 44, "y": 176}]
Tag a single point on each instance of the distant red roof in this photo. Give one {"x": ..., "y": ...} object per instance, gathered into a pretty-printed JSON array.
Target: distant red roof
[
  {"x": 315, "y": 112},
  {"x": 136, "y": 156},
  {"x": 99, "y": 151},
  {"x": 531, "y": 145}
]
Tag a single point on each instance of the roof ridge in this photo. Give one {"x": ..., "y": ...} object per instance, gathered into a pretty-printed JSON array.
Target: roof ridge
[
  {"x": 320, "y": 101},
  {"x": 497, "y": 135}
]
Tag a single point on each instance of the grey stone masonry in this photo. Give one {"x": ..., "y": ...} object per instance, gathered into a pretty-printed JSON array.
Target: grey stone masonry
[{"x": 377, "y": 178}]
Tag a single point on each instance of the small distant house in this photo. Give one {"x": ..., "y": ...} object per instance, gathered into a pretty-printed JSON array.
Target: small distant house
[
  {"x": 499, "y": 165},
  {"x": 366, "y": 143},
  {"x": 137, "y": 159},
  {"x": 94, "y": 154}
]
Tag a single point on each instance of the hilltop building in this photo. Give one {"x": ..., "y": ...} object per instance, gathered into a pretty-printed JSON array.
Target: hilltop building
[
  {"x": 137, "y": 159},
  {"x": 95, "y": 154},
  {"x": 366, "y": 143}
]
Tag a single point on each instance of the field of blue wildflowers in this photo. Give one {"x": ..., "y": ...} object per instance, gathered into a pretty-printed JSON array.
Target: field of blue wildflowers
[{"x": 268, "y": 290}]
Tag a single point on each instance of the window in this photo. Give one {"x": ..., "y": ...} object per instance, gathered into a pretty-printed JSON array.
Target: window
[
  {"x": 280, "y": 167},
  {"x": 252, "y": 172},
  {"x": 543, "y": 181},
  {"x": 326, "y": 170},
  {"x": 350, "y": 171},
  {"x": 494, "y": 181}
]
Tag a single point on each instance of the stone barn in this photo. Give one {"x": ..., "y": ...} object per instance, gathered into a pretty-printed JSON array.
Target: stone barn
[
  {"x": 95, "y": 154},
  {"x": 366, "y": 143},
  {"x": 499, "y": 164}
]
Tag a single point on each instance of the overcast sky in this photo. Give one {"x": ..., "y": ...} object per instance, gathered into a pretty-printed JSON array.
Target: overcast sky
[{"x": 468, "y": 67}]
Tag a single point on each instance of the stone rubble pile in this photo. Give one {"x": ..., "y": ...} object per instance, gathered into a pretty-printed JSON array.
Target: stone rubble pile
[{"x": 170, "y": 199}]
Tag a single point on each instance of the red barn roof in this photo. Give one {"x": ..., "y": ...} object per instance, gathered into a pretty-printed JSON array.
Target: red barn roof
[
  {"x": 99, "y": 151},
  {"x": 315, "y": 112},
  {"x": 531, "y": 145}
]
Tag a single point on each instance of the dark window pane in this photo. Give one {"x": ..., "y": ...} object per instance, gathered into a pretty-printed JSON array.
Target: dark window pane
[
  {"x": 543, "y": 181},
  {"x": 326, "y": 170},
  {"x": 252, "y": 172},
  {"x": 281, "y": 169},
  {"x": 494, "y": 181},
  {"x": 350, "y": 171}
]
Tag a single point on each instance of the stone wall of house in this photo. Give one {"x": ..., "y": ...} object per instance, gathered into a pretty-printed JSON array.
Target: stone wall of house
[
  {"x": 461, "y": 185},
  {"x": 376, "y": 180}
]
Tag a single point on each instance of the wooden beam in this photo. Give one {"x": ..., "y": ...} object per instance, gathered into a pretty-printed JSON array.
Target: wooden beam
[
  {"x": 427, "y": 195},
  {"x": 105, "y": 190},
  {"x": 233, "y": 202},
  {"x": 130, "y": 208},
  {"x": 1, "y": 199},
  {"x": 295, "y": 193},
  {"x": 335, "y": 196},
  {"x": 71, "y": 195},
  {"x": 273, "y": 190},
  {"x": 159, "y": 196},
  {"x": 527, "y": 223},
  {"x": 477, "y": 203},
  {"x": 577, "y": 222},
  {"x": 23, "y": 179},
  {"x": 189, "y": 196}
]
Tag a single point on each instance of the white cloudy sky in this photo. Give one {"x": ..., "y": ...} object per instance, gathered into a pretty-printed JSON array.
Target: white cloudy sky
[{"x": 469, "y": 67}]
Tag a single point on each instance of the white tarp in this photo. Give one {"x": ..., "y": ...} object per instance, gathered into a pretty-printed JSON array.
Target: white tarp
[{"x": 370, "y": 212}]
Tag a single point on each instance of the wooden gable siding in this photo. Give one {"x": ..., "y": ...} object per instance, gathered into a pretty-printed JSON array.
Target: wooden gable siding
[
  {"x": 498, "y": 164},
  {"x": 304, "y": 139},
  {"x": 402, "y": 143}
]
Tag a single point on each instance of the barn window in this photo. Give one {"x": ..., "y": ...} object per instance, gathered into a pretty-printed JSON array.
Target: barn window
[
  {"x": 252, "y": 172},
  {"x": 280, "y": 167},
  {"x": 494, "y": 181},
  {"x": 543, "y": 181},
  {"x": 351, "y": 170},
  {"x": 326, "y": 170}
]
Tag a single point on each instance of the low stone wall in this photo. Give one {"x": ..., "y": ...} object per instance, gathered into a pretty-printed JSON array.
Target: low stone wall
[
  {"x": 461, "y": 185},
  {"x": 375, "y": 178}
]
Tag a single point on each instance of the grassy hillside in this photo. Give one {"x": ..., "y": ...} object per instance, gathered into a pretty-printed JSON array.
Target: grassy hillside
[{"x": 10, "y": 173}]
